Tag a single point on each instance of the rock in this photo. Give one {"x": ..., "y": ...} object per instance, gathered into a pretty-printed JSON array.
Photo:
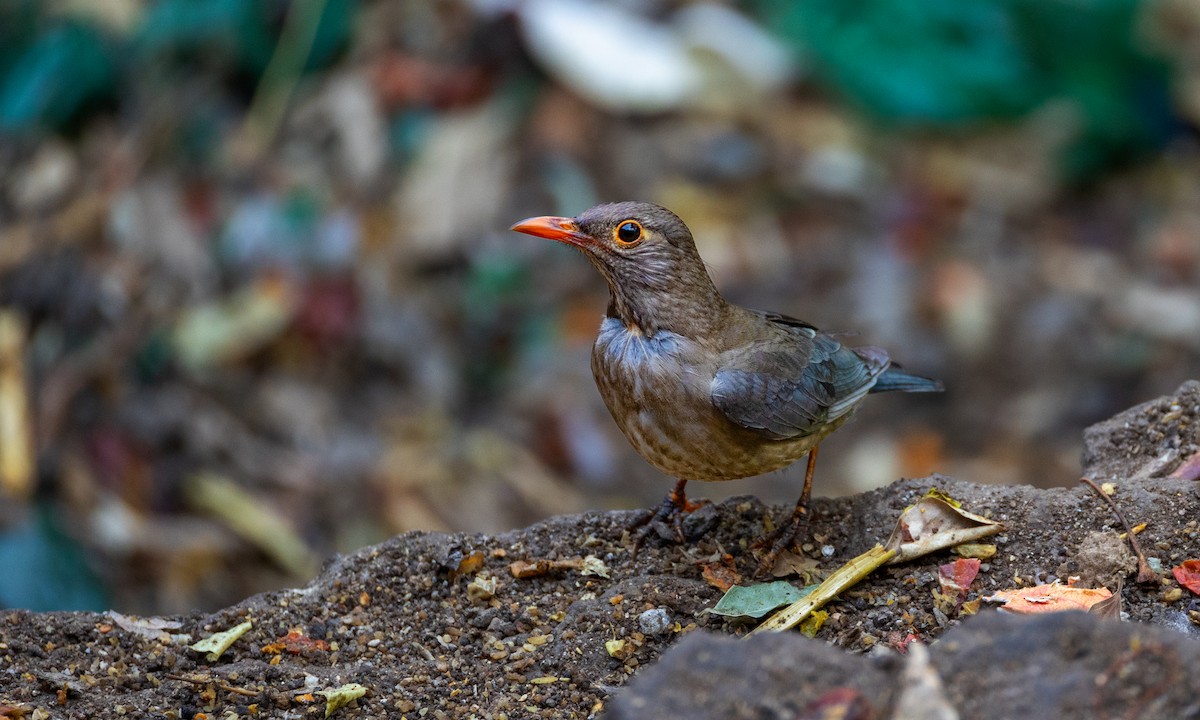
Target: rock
[
  {"x": 1067, "y": 665},
  {"x": 761, "y": 678},
  {"x": 994, "y": 666},
  {"x": 1149, "y": 440},
  {"x": 654, "y": 622},
  {"x": 1102, "y": 559}
]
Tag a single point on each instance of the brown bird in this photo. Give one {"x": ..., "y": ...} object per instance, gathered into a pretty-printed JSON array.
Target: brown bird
[{"x": 705, "y": 389}]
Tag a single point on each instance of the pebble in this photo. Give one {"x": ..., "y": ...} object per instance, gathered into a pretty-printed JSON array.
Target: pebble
[{"x": 654, "y": 622}]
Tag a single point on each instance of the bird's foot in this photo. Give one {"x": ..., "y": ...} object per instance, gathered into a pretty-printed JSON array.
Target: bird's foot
[
  {"x": 666, "y": 521},
  {"x": 779, "y": 540}
]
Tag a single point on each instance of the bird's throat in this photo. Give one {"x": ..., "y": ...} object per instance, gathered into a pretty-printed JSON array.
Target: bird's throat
[
  {"x": 677, "y": 311},
  {"x": 621, "y": 311}
]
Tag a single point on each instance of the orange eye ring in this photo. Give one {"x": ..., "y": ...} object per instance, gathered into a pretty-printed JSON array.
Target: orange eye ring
[{"x": 628, "y": 233}]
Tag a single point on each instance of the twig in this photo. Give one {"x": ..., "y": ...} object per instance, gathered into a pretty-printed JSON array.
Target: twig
[
  {"x": 1145, "y": 574},
  {"x": 223, "y": 686},
  {"x": 424, "y": 651}
]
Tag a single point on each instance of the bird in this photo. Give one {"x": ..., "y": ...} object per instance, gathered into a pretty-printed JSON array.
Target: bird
[{"x": 705, "y": 389}]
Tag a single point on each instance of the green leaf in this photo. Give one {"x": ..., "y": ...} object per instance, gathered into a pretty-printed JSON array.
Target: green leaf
[{"x": 755, "y": 601}]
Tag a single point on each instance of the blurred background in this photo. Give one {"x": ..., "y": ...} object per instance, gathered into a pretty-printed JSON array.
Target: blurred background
[{"x": 259, "y": 303}]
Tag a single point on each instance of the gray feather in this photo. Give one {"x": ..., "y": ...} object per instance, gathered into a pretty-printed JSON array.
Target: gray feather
[{"x": 795, "y": 383}]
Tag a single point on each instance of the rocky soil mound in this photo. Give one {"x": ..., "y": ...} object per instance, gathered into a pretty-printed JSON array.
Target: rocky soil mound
[{"x": 553, "y": 620}]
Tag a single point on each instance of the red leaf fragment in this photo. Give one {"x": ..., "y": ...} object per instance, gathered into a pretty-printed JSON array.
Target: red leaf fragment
[
  {"x": 329, "y": 312},
  {"x": 721, "y": 574},
  {"x": 295, "y": 643},
  {"x": 1188, "y": 575},
  {"x": 956, "y": 577},
  {"x": 899, "y": 642},
  {"x": 841, "y": 702}
]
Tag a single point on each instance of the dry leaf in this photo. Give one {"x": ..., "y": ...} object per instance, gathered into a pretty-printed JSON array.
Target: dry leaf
[
  {"x": 215, "y": 645},
  {"x": 789, "y": 563},
  {"x": 470, "y": 563},
  {"x": 153, "y": 628},
  {"x": 1109, "y": 608},
  {"x": 1049, "y": 598},
  {"x": 721, "y": 574},
  {"x": 956, "y": 577},
  {"x": 980, "y": 551},
  {"x": 295, "y": 643},
  {"x": 341, "y": 696},
  {"x": 934, "y": 524},
  {"x": 587, "y": 566},
  {"x": 1187, "y": 574},
  {"x": 524, "y": 569},
  {"x": 813, "y": 623}
]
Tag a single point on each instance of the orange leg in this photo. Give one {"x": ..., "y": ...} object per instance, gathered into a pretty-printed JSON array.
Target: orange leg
[
  {"x": 678, "y": 498},
  {"x": 806, "y": 491},
  {"x": 785, "y": 535}
]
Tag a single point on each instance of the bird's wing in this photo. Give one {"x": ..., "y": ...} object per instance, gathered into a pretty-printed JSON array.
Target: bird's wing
[{"x": 794, "y": 382}]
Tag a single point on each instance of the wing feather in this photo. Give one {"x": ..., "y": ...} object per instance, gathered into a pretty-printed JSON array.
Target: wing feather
[{"x": 795, "y": 382}]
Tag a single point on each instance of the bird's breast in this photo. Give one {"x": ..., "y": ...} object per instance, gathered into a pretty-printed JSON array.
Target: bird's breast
[
  {"x": 648, "y": 378},
  {"x": 658, "y": 390}
]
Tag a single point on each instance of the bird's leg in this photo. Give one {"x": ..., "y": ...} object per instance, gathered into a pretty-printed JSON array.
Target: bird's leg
[
  {"x": 785, "y": 535},
  {"x": 669, "y": 513},
  {"x": 677, "y": 499}
]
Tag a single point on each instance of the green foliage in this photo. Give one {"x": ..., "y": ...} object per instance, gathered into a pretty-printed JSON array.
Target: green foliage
[
  {"x": 755, "y": 601},
  {"x": 44, "y": 568},
  {"x": 244, "y": 34},
  {"x": 54, "y": 67},
  {"x": 946, "y": 63},
  {"x": 47, "y": 82}
]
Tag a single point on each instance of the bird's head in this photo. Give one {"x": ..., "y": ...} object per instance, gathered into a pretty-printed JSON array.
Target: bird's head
[{"x": 655, "y": 276}]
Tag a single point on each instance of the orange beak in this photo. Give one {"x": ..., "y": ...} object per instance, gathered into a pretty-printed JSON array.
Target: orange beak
[{"x": 562, "y": 229}]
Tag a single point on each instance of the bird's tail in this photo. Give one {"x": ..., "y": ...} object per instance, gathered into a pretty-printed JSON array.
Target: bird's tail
[{"x": 896, "y": 380}]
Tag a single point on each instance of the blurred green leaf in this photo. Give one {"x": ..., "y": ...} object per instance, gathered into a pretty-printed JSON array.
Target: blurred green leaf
[
  {"x": 44, "y": 568},
  {"x": 933, "y": 62},
  {"x": 218, "y": 29},
  {"x": 61, "y": 72},
  {"x": 242, "y": 34}
]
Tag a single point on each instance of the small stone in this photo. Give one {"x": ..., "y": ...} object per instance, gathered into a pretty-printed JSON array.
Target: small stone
[
  {"x": 654, "y": 622},
  {"x": 697, "y": 524}
]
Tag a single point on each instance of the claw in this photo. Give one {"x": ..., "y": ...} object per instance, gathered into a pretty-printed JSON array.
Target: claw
[
  {"x": 781, "y": 539},
  {"x": 666, "y": 518}
]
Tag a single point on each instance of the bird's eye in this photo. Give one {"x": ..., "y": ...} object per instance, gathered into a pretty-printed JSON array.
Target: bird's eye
[{"x": 629, "y": 232}]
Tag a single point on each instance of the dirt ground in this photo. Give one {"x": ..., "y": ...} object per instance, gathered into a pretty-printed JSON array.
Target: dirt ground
[{"x": 437, "y": 625}]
